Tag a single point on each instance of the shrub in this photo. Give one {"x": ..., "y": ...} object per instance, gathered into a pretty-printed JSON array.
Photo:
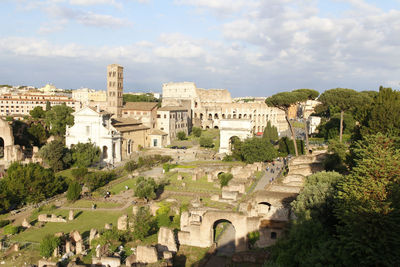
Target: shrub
[
  {"x": 224, "y": 178},
  {"x": 206, "y": 142},
  {"x": 162, "y": 215},
  {"x": 253, "y": 237},
  {"x": 4, "y": 223},
  {"x": 48, "y": 244},
  {"x": 74, "y": 191},
  {"x": 130, "y": 166},
  {"x": 144, "y": 223},
  {"x": 145, "y": 188},
  {"x": 98, "y": 179},
  {"x": 181, "y": 135},
  {"x": 79, "y": 173},
  {"x": 286, "y": 146},
  {"x": 10, "y": 229},
  {"x": 168, "y": 166},
  {"x": 196, "y": 131}
]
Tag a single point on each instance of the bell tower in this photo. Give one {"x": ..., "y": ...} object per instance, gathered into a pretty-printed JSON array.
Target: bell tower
[{"x": 115, "y": 87}]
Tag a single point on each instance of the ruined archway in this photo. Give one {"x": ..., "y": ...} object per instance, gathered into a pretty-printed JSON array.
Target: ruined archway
[
  {"x": 224, "y": 235},
  {"x": 229, "y": 128}
]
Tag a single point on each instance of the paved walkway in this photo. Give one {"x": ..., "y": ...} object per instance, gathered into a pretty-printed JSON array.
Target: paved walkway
[{"x": 265, "y": 180}]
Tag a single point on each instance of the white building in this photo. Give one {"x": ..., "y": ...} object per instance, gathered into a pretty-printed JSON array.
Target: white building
[
  {"x": 313, "y": 122},
  {"x": 95, "y": 126}
]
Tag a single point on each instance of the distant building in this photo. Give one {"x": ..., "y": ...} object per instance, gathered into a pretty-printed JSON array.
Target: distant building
[
  {"x": 145, "y": 112},
  {"x": 20, "y": 104},
  {"x": 115, "y": 87},
  {"x": 171, "y": 120},
  {"x": 82, "y": 96},
  {"x": 307, "y": 108},
  {"x": 206, "y": 107},
  {"x": 313, "y": 122},
  {"x": 117, "y": 138}
]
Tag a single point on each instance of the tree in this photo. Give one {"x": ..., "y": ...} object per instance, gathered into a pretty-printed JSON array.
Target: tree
[
  {"x": 344, "y": 99},
  {"x": 286, "y": 146},
  {"x": 139, "y": 98},
  {"x": 368, "y": 204},
  {"x": 206, "y": 141},
  {"x": 58, "y": 118},
  {"x": 257, "y": 150},
  {"x": 48, "y": 244},
  {"x": 48, "y": 105},
  {"x": 307, "y": 94},
  {"x": 74, "y": 191},
  {"x": 196, "y": 131},
  {"x": 37, "y": 112},
  {"x": 270, "y": 132},
  {"x": 38, "y": 134},
  {"x": 31, "y": 183},
  {"x": 56, "y": 155},
  {"x": 145, "y": 188},
  {"x": 383, "y": 115},
  {"x": 181, "y": 135},
  {"x": 94, "y": 180},
  {"x": 144, "y": 223},
  {"x": 283, "y": 101},
  {"x": 85, "y": 154},
  {"x": 130, "y": 166}
]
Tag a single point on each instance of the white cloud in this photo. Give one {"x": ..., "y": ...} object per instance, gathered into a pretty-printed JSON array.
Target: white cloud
[
  {"x": 178, "y": 46},
  {"x": 92, "y": 2},
  {"x": 87, "y": 18},
  {"x": 221, "y": 6}
]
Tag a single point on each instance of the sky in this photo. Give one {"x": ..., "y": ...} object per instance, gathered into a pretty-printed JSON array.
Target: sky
[{"x": 250, "y": 47}]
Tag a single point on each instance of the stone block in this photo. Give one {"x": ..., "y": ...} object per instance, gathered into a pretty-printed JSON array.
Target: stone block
[
  {"x": 75, "y": 236},
  {"x": 130, "y": 260},
  {"x": 167, "y": 255},
  {"x": 166, "y": 240},
  {"x": 70, "y": 215},
  {"x": 26, "y": 224},
  {"x": 46, "y": 263},
  {"x": 229, "y": 195},
  {"x": 108, "y": 226},
  {"x": 180, "y": 177},
  {"x": 215, "y": 197},
  {"x": 146, "y": 254},
  {"x": 122, "y": 223}
]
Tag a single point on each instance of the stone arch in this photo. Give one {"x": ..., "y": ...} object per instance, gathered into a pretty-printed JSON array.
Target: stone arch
[
  {"x": 201, "y": 116},
  {"x": 230, "y": 128},
  {"x": 232, "y": 139},
  {"x": 263, "y": 207},
  {"x": 223, "y": 115},
  {"x": 228, "y": 244},
  {"x": 210, "y": 116},
  {"x": 216, "y": 116},
  {"x": 207, "y": 127},
  {"x": 238, "y": 221},
  {"x": 229, "y": 116},
  {"x": 216, "y": 127}
]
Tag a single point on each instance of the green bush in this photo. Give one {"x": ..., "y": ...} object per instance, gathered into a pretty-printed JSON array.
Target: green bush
[
  {"x": 4, "y": 223},
  {"x": 253, "y": 237},
  {"x": 98, "y": 179},
  {"x": 150, "y": 161},
  {"x": 144, "y": 224},
  {"x": 196, "y": 131},
  {"x": 224, "y": 178},
  {"x": 181, "y": 135},
  {"x": 48, "y": 244},
  {"x": 74, "y": 191},
  {"x": 286, "y": 146},
  {"x": 79, "y": 173},
  {"x": 206, "y": 142},
  {"x": 10, "y": 229},
  {"x": 145, "y": 188},
  {"x": 130, "y": 166},
  {"x": 168, "y": 166}
]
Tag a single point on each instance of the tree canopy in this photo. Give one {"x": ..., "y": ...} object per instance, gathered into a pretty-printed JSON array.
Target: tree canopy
[{"x": 57, "y": 119}]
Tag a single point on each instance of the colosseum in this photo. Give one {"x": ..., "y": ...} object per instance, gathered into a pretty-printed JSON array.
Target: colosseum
[{"x": 208, "y": 106}]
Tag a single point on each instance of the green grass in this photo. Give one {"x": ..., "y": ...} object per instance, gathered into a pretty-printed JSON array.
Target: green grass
[
  {"x": 117, "y": 188},
  {"x": 187, "y": 255},
  {"x": 88, "y": 204},
  {"x": 201, "y": 185},
  {"x": 83, "y": 222}
]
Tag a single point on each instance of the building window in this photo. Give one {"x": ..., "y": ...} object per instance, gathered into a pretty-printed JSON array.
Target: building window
[{"x": 273, "y": 235}]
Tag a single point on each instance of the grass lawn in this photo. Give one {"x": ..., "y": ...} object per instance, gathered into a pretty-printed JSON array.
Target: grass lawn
[
  {"x": 201, "y": 185},
  {"x": 88, "y": 204},
  {"x": 117, "y": 188},
  {"x": 83, "y": 222},
  {"x": 188, "y": 255}
]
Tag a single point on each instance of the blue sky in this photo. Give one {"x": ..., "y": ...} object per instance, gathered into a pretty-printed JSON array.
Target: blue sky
[{"x": 249, "y": 47}]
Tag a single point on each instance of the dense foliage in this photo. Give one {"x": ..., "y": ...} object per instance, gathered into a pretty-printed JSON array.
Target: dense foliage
[
  {"x": 56, "y": 155},
  {"x": 74, "y": 191},
  {"x": 196, "y": 131},
  {"x": 146, "y": 188},
  {"x": 144, "y": 223},
  {"x": 30, "y": 183},
  {"x": 94, "y": 180},
  {"x": 270, "y": 132},
  {"x": 85, "y": 154},
  {"x": 224, "y": 178},
  {"x": 206, "y": 141},
  {"x": 48, "y": 244},
  {"x": 286, "y": 146},
  {"x": 181, "y": 135},
  {"x": 57, "y": 119},
  {"x": 139, "y": 98}
]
